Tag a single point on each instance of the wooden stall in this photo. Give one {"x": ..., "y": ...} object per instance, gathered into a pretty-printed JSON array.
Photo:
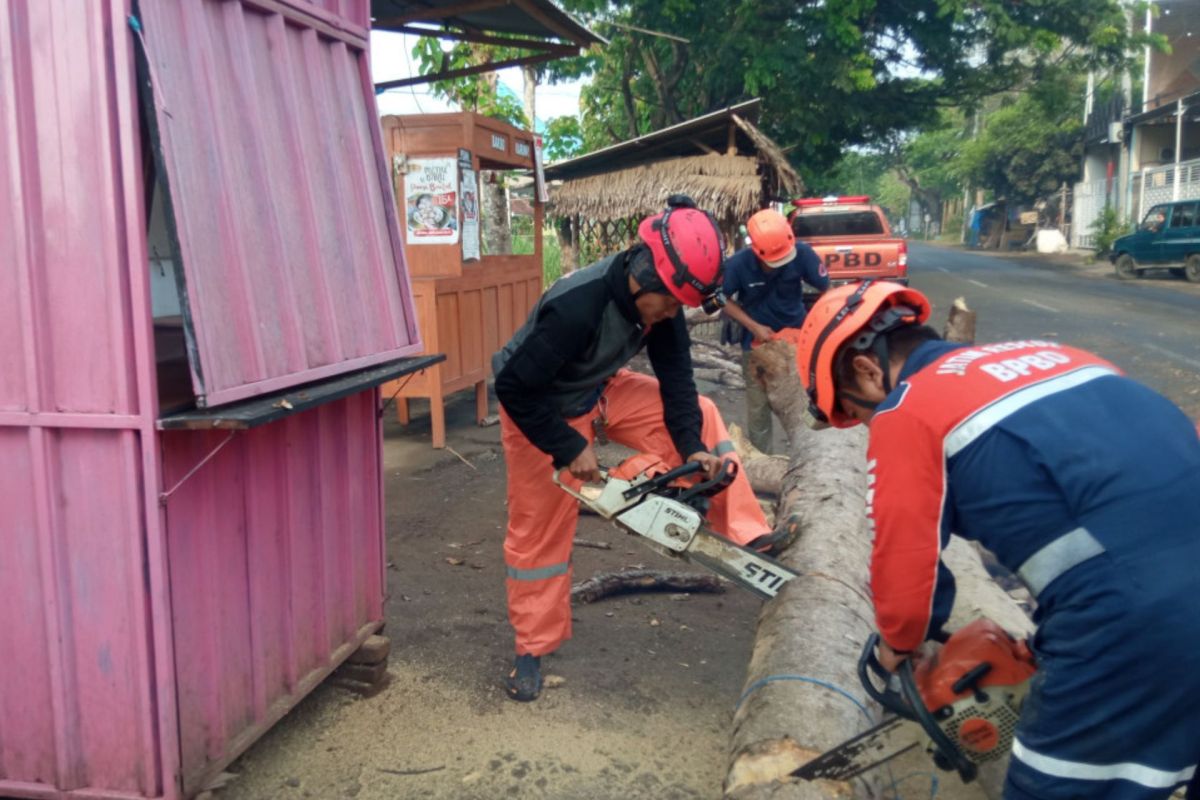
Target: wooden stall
[{"x": 467, "y": 306}]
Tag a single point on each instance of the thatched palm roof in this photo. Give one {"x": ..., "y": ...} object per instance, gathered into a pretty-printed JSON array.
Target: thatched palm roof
[
  {"x": 728, "y": 186},
  {"x": 725, "y": 163}
]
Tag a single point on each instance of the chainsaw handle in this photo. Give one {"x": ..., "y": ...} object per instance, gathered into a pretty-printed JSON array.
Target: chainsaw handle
[
  {"x": 558, "y": 481},
  {"x": 725, "y": 476},
  {"x": 889, "y": 697},
  {"x": 662, "y": 481},
  {"x": 949, "y": 751}
]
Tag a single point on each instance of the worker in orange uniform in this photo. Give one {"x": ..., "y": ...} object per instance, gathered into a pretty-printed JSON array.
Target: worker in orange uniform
[
  {"x": 1080, "y": 480},
  {"x": 561, "y": 385},
  {"x": 764, "y": 286}
]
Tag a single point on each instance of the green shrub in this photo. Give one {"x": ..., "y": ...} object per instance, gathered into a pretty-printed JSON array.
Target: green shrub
[
  {"x": 1107, "y": 228},
  {"x": 551, "y": 257}
]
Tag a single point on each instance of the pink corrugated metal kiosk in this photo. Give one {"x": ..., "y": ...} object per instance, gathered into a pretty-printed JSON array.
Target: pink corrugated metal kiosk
[{"x": 201, "y": 287}]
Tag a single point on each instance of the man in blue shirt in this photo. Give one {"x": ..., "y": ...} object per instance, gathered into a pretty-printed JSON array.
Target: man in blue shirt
[{"x": 765, "y": 293}]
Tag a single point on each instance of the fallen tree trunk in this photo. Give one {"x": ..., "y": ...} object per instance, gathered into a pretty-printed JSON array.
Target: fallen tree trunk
[{"x": 802, "y": 694}]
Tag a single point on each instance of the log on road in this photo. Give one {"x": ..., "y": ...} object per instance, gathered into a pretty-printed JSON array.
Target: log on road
[{"x": 802, "y": 694}]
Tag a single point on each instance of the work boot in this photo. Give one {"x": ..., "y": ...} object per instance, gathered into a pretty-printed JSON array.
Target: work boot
[
  {"x": 524, "y": 682},
  {"x": 775, "y": 542}
]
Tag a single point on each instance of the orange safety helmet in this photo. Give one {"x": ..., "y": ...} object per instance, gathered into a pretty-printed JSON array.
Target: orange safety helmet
[
  {"x": 771, "y": 238},
  {"x": 856, "y": 314},
  {"x": 688, "y": 251}
]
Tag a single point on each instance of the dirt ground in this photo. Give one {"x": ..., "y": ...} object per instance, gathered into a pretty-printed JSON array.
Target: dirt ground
[{"x": 649, "y": 682}]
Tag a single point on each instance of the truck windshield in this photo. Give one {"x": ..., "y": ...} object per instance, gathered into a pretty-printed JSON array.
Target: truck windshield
[{"x": 850, "y": 223}]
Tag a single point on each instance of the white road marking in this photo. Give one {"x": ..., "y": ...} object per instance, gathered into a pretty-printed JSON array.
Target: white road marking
[
  {"x": 1042, "y": 306},
  {"x": 943, "y": 269},
  {"x": 977, "y": 283},
  {"x": 1191, "y": 362}
]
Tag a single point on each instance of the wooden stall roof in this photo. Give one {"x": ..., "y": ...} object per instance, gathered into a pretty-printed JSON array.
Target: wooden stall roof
[
  {"x": 537, "y": 26},
  {"x": 722, "y": 160},
  {"x": 434, "y": 134}
]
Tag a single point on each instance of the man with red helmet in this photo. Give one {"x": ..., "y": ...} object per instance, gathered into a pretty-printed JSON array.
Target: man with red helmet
[
  {"x": 561, "y": 383},
  {"x": 1080, "y": 480},
  {"x": 764, "y": 287}
]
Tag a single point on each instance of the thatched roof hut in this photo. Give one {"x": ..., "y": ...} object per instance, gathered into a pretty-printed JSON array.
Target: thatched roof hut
[{"x": 725, "y": 163}]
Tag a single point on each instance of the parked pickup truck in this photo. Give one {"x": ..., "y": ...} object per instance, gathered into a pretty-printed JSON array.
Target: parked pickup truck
[
  {"x": 1169, "y": 237},
  {"x": 852, "y": 237}
]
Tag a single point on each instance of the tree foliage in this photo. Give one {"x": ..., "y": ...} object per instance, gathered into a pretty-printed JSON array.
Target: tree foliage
[
  {"x": 479, "y": 92},
  {"x": 830, "y": 72},
  {"x": 1031, "y": 145}
]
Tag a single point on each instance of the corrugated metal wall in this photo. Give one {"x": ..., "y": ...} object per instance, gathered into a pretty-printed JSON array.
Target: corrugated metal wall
[
  {"x": 276, "y": 562},
  {"x": 278, "y": 550},
  {"x": 282, "y": 201},
  {"x": 77, "y": 698},
  {"x": 63, "y": 308}
]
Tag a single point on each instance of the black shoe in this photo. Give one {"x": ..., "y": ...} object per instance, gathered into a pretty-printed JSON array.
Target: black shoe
[{"x": 525, "y": 679}]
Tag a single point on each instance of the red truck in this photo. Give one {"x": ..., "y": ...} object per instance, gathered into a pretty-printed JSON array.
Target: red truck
[{"x": 852, "y": 238}]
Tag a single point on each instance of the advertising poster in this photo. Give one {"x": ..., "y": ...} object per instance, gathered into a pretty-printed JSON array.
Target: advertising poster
[{"x": 431, "y": 201}]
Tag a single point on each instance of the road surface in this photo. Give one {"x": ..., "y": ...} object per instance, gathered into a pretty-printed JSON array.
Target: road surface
[{"x": 1148, "y": 327}]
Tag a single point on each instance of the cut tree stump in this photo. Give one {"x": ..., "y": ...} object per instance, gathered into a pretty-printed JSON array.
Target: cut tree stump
[{"x": 960, "y": 325}]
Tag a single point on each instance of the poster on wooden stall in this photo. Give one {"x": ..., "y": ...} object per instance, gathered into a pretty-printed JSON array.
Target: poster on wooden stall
[
  {"x": 469, "y": 192},
  {"x": 431, "y": 200}
]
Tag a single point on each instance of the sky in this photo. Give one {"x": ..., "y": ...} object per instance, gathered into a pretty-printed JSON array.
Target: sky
[{"x": 391, "y": 58}]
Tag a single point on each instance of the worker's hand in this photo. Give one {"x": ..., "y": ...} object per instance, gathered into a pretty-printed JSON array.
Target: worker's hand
[
  {"x": 762, "y": 333},
  {"x": 585, "y": 467},
  {"x": 711, "y": 463},
  {"x": 889, "y": 659}
]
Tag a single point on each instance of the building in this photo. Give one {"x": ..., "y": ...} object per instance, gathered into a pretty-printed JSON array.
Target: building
[{"x": 1142, "y": 143}]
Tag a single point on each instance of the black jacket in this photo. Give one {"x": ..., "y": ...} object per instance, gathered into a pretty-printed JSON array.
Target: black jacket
[{"x": 584, "y": 329}]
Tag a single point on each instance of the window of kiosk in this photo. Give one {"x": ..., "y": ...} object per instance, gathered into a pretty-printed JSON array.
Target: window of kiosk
[{"x": 270, "y": 212}]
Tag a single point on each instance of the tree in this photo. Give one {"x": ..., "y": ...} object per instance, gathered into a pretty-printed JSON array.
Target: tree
[
  {"x": 831, "y": 72},
  {"x": 563, "y": 138},
  {"x": 1031, "y": 145}
]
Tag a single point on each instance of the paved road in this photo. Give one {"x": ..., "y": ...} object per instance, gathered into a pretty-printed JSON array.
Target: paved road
[{"x": 1148, "y": 327}]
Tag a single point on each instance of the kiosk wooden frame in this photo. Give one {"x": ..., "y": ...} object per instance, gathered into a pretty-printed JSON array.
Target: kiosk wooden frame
[{"x": 466, "y": 310}]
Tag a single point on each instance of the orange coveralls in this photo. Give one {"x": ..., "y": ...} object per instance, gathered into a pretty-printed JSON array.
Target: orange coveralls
[{"x": 542, "y": 517}]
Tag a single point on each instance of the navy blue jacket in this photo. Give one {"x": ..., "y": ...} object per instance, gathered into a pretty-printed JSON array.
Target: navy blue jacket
[{"x": 773, "y": 297}]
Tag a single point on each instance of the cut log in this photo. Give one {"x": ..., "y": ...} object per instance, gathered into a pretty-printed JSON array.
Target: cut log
[
  {"x": 802, "y": 695},
  {"x": 765, "y": 472},
  {"x": 725, "y": 377},
  {"x": 628, "y": 581}
]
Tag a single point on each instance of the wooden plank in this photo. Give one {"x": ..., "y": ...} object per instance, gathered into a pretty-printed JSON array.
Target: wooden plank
[
  {"x": 471, "y": 329},
  {"x": 449, "y": 324}
]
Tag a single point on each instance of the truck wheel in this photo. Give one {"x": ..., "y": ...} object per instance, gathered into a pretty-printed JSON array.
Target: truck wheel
[
  {"x": 1191, "y": 270},
  {"x": 1126, "y": 267}
]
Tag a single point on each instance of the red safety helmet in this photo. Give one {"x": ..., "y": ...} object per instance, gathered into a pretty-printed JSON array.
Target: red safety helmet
[
  {"x": 771, "y": 238},
  {"x": 856, "y": 314},
  {"x": 688, "y": 252}
]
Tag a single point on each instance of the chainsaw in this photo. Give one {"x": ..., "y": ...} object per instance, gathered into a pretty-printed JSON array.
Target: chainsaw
[
  {"x": 643, "y": 497},
  {"x": 961, "y": 705}
]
